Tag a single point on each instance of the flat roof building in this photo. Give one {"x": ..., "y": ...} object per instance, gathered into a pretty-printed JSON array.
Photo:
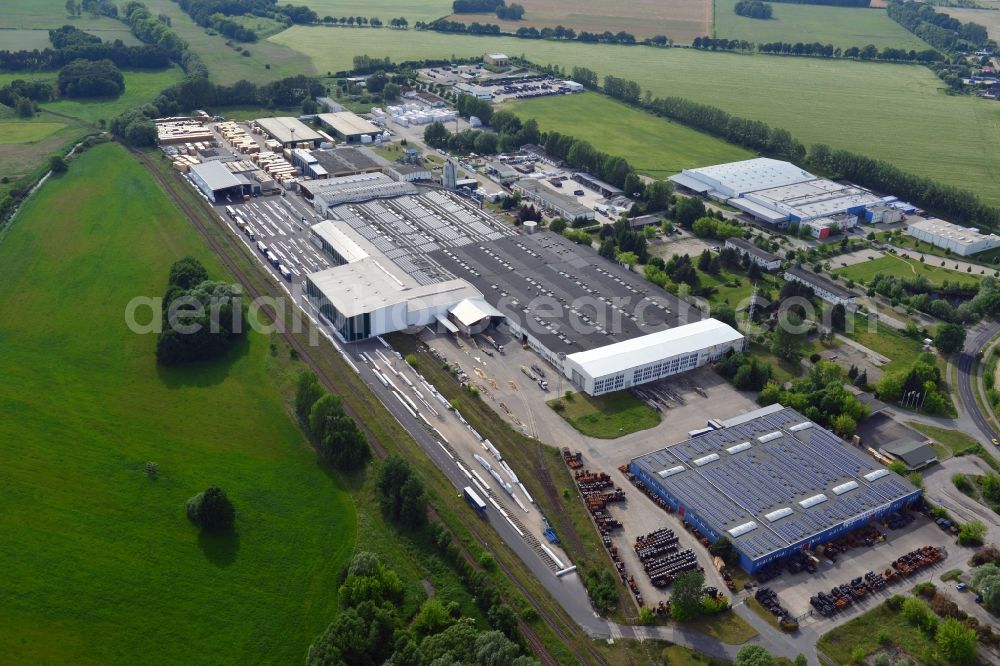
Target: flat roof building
[
  {"x": 479, "y": 92},
  {"x": 773, "y": 483},
  {"x": 216, "y": 181},
  {"x": 776, "y": 192},
  {"x": 288, "y": 130},
  {"x": 763, "y": 258},
  {"x": 329, "y": 192},
  {"x": 348, "y": 161},
  {"x": 606, "y": 189},
  {"x": 551, "y": 201},
  {"x": 911, "y": 452},
  {"x": 734, "y": 179},
  {"x": 827, "y": 290},
  {"x": 349, "y": 127},
  {"x": 497, "y": 59},
  {"x": 543, "y": 290},
  {"x": 651, "y": 357},
  {"x": 963, "y": 241}
]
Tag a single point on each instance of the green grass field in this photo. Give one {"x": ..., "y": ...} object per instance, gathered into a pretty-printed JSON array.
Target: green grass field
[
  {"x": 24, "y": 40},
  {"x": 413, "y": 11},
  {"x": 27, "y": 132},
  {"x": 267, "y": 61},
  {"x": 903, "y": 117},
  {"x": 26, "y": 143},
  {"x": 897, "y": 266},
  {"x": 47, "y": 14},
  {"x": 654, "y": 146},
  {"x": 840, "y": 26},
  {"x": 141, "y": 86},
  {"x": 902, "y": 351},
  {"x": 607, "y": 416},
  {"x": 100, "y": 563}
]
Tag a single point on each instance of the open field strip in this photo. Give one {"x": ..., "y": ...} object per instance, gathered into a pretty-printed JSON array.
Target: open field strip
[
  {"x": 904, "y": 119},
  {"x": 99, "y": 560},
  {"x": 680, "y": 20},
  {"x": 840, "y": 26},
  {"x": 654, "y": 146},
  {"x": 904, "y": 268},
  {"x": 411, "y": 10},
  {"x": 267, "y": 61}
]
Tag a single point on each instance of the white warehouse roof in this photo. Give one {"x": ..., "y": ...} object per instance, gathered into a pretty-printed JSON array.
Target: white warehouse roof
[
  {"x": 651, "y": 348},
  {"x": 735, "y": 178},
  {"x": 344, "y": 244},
  {"x": 953, "y": 232}
]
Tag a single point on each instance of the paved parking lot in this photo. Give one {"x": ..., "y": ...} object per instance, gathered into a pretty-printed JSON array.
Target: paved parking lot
[{"x": 794, "y": 590}]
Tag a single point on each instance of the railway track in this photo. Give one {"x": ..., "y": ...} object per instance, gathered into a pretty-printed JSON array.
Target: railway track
[{"x": 197, "y": 216}]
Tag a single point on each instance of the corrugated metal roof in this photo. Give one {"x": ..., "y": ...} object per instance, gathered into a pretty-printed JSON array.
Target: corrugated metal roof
[{"x": 216, "y": 175}]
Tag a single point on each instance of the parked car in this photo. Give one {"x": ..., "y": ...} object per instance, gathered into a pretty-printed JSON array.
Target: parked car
[{"x": 961, "y": 587}]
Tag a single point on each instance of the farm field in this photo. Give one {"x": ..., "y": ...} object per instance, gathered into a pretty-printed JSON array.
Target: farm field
[
  {"x": 26, "y": 143},
  {"x": 840, "y": 26},
  {"x": 986, "y": 17},
  {"x": 99, "y": 560},
  {"x": 901, "y": 121},
  {"x": 680, "y": 20},
  {"x": 654, "y": 146},
  {"x": 27, "y": 132},
  {"x": 47, "y": 14},
  {"x": 141, "y": 86},
  {"x": 267, "y": 61},
  {"x": 420, "y": 10},
  {"x": 903, "y": 268}
]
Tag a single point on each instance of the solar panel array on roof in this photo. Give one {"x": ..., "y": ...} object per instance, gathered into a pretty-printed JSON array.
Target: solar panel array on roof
[{"x": 797, "y": 481}]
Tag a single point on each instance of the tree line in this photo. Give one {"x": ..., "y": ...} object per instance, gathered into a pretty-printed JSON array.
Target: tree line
[
  {"x": 818, "y": 50},
  {"x": 70, "y": 43},
  {"x": 560, "y": 33},
  {"x": 335, "y": 434},
  {"x": 216, "y": 14},
  {"x": 754, "y": 9},
  {"x": 940, "y": 30},
  {"x": 829, "y": 3},
  {"x": 946, "y": 201}
]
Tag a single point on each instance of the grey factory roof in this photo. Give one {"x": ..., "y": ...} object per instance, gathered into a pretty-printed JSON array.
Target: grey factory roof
[
  {"x": 287, "y": 129},
  {"x": 344, "y": 161},
  {"x": 216, "y": 175},
  {"x": 562, "y": 293},
  {"x": 772, "y": 481},
  {"x": 348, "y": 123},
  {"x": 567, "y": 288},
  {"x": 821, "y": 282},
  {"x": 913, "y": 453},
  {"x": 569, "y": 206}
]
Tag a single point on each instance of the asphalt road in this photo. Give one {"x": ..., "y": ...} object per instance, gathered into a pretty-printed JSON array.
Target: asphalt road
[{"x": 966, "y": 365}]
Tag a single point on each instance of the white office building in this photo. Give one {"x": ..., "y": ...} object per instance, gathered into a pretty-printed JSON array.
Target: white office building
[{"x": 650, "y": 357}]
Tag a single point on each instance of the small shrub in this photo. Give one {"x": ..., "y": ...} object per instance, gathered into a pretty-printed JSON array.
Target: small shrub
[
  {"x": 895, "y": 602},
  {"x": 883, "y": 637}
]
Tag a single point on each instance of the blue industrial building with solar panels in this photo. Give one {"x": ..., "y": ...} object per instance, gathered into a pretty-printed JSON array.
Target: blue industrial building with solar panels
[{"x": 773, "y": 482}]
